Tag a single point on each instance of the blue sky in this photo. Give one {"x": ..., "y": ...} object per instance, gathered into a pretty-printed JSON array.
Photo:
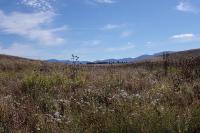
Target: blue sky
[{"x": 97, "y": 29}]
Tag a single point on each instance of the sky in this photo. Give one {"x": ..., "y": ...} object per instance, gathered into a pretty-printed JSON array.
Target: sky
[{"x": 97, "y": 29}]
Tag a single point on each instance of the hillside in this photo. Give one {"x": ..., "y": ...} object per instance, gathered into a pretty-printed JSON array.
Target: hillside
[
  {"x": 14, "y": 63},
  {"x": 176, "y": 56},
  {"x": 154, "y": 57},
  {"x": 186, "y": 54},
  {"x": 36, "y": 96},
  {"x": 9, "y": 57}
]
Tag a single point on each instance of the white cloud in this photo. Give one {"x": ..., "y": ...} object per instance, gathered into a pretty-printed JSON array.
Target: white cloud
[
  {"x": 94, "y": 2},
  {"x": 46, "y": 37},
  {"x": 30, "y": 25},
  {"x": 21, "y": 50},
  {"x": 91, "y": 43},
  {"x": 30, "y": 51},
  {"x": 122, "y": 48},
  {"x": 185, "y": 37},
  {"x": 112, "y": 26},
  {"x": 150, "y": 44},
  {"x": 42, "y": 5},
  {"x": 187, "y": 7},
  {"x": 126, "y": 33},
  {"x": 105, "y": 1}
]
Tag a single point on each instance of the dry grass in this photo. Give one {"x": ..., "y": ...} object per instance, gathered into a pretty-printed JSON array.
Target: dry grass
[{"x": 45, "y": 98}]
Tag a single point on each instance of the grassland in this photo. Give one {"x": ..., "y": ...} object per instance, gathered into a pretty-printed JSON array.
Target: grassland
[{"x": 145, "y": 97}]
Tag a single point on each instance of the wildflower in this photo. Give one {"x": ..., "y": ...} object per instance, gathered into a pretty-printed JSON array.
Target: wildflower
[
  {"x": 123, "y": 93},
  {"x": 56, "y": 114},
  {"x": 111, "y": 110},
  {"x": 87, "y": 103},
  {"x": 154, "y": 102},
  {"x": 137, "y": 95},
  {"x": 162, "y": 108},
  {"x": 78, "y": 103},
  {"x": 58, "y": 120},
  {"x": 100, "y": 107}
]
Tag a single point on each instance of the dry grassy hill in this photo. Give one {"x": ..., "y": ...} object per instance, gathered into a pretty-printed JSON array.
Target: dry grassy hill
[{"x": 154, "y": 97}]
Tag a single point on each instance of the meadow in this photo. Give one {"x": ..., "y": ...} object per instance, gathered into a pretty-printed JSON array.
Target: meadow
[{"x": 144, "y": 97}]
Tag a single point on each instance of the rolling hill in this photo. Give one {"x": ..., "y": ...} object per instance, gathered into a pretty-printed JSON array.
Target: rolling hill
[{"x": 157, "y": 56}]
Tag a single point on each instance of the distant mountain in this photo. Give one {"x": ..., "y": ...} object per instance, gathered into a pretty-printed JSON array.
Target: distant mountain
[
  {"x": 161, "y": 53},
  {"x": 155, "y": 57},
  {"x": 125, "y": 60},
  {"x": 142, "y": 57},
  {"x": 107, "y": 61},
  {"x": 66, "y": 61},
  {"x": 55, "y": 61}
]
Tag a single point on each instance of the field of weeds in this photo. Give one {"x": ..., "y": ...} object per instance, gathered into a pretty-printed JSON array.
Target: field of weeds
[{"x": 138, "y": 98}]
